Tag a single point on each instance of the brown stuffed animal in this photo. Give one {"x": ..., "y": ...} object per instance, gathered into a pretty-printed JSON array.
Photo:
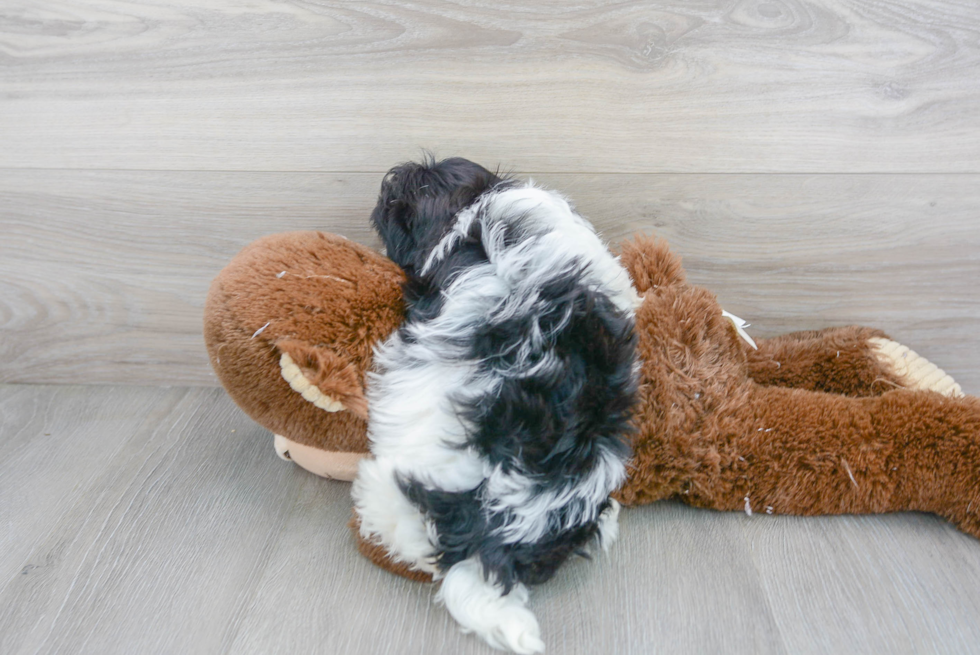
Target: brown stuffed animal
[
  {"x": 289, "y": 325},
  {"x": 841, "y": 420}
]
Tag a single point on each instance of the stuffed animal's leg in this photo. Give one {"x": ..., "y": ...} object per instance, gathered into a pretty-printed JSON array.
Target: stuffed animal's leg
[
  {"x": 790, "y": 451},
  {"x": 388, "y": 519},
  {"x": 855, "y": 361},
  {"x": 377, "y": 554}
]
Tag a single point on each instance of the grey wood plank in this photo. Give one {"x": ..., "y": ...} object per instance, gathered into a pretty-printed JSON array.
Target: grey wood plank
[
  {"x": 902, "y": 583},
  {"x": 802, "y": 252},
  {"x": 678, "y": 581},
  {"x": 671, "y": 86},
  {"x": 193, "y": 538},
  {"x": 55, "y": 444},
  {"x": 319, "y": 597},
  {"x": 103, "y": 274},
  {"x": 158, "y": 550}
]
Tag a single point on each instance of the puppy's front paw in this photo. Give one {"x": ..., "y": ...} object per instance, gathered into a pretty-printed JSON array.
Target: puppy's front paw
[{"x": 609, "y": 525}]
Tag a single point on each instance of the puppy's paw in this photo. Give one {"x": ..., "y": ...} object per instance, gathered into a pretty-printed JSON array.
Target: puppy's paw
[
  {"x": 388, "y": 519},
  {"x": 517, "y": 631},
  {"x": 480, "y": 606},
  {"x": 609, "y": 525}
]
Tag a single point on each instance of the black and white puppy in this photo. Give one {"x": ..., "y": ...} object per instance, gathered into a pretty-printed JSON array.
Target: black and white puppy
[{"x": 500, "y": 409}]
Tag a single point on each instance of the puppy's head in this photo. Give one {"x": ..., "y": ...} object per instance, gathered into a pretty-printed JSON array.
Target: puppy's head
[{"x": 419, "y": 201}]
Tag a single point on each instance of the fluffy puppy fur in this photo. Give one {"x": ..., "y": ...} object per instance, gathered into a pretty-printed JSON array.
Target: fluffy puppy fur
[{"x": 500, "y": 409}]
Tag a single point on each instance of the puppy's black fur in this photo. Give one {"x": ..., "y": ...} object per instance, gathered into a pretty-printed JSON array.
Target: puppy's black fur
[
  {"x": 419, "y": 201},
  {"x": 417, "y": 205},
  {"x": 553, "y": 427}
]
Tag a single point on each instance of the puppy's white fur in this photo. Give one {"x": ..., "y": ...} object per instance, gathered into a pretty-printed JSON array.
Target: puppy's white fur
[{"x": 480, "y": 606}]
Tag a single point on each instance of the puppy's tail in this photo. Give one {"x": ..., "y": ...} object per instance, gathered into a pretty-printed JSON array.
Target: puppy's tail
[{"x": 480, "y": 606}]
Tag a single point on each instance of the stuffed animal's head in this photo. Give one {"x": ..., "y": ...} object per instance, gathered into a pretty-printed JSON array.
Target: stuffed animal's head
[
  {"x": 418, "y": 202},
  {"x": 290, "y": 326}
]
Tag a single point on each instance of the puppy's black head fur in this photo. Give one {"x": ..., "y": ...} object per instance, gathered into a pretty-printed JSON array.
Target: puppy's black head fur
[{"x": 418, "y": 202}]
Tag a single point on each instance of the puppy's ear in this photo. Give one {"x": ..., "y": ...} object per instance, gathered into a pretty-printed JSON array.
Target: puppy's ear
[
  {"x": 418, "y": 202},
  {"x": 393, "y": 215}
]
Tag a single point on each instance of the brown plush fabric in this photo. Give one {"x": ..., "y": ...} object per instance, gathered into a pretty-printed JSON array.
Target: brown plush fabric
[
  {"x": 379, "y": 556},
  {"x": 835, "y": 360},
  {"x": 811, "y": 423},
  {"x": 711, "y": 435},
  {"x": 322, "y": 299}
]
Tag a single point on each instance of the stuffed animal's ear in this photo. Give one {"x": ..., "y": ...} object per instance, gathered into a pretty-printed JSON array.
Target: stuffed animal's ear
[
  {"x": 324, "y": 377},
  {"x": 650, "y": 263}
]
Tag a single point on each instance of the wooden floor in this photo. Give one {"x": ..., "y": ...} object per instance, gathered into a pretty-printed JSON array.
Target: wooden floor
[
  {"x": 151, "y": 520},
  {"x": 815, "y": 162}
]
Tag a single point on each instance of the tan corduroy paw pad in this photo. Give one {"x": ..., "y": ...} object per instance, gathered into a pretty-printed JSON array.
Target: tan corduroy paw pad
[{"x": 913, "y": 370}]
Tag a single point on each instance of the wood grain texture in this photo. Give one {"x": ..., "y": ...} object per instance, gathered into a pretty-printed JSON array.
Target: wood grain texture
[
  {"x": 156, "y": 549},
  {"x": 586, "y": 86},
  {"x": 141, "y": 520},
  {"x": 54, "y": 446},
  {"x": 103, "y": 274}
]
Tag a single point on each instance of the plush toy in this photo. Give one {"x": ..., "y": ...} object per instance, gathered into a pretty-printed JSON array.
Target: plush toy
[
  {"x": 290, "y": 325},
  {"x": 841, "y": 420}
]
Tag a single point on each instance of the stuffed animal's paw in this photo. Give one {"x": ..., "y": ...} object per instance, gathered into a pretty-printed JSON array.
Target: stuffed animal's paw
[{"x": 912, "y": 370}]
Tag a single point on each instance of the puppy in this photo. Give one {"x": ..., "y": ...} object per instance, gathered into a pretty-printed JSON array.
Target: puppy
[{"x": 499, "y": 411}]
